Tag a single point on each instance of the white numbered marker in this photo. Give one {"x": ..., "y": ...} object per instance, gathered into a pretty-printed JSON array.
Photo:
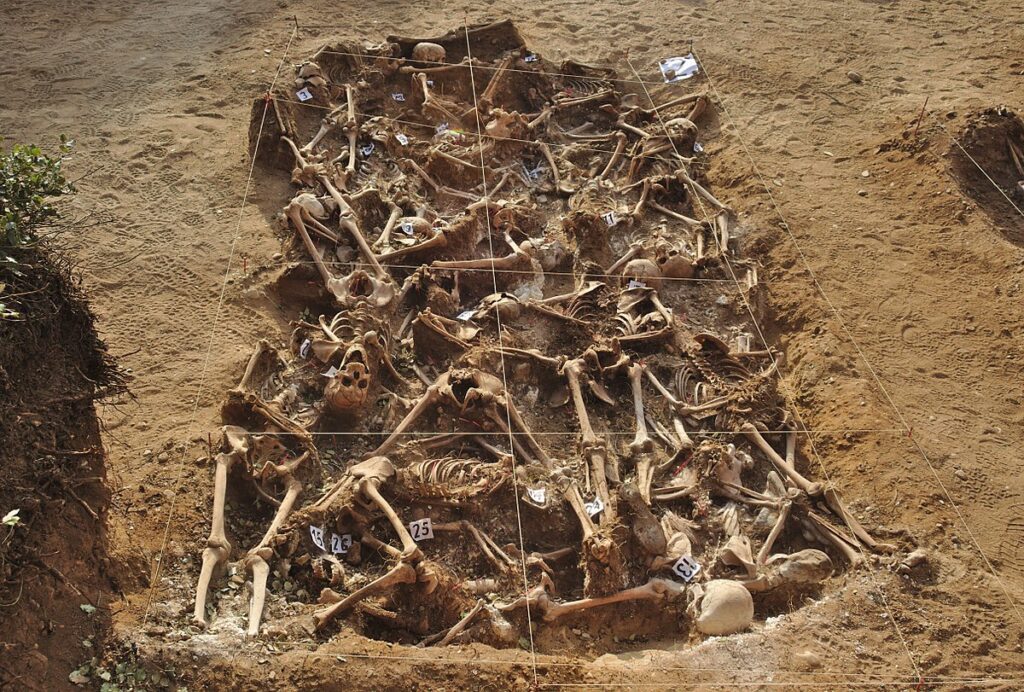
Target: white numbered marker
[
  {"x": 430, "y": 82},
  {"x": 340, "y": 544},
  {"x": 304, "y": 94},
  {"x": 366, "y": 150},
  {"x": 536, "y": 494},
  {"x": 686, "y": 568},
  {"x": 594, "y": 508},
  {"x": 465, "y": 315},
  {"x": 443, "y": 127},
  {"x": 407, "y": 228},
  {"x": 304, "y": 348},
  {"x": 633, "y": 283},
  {"x": 610, "y": 218},
  {"x": 421, "y": 529},
  {"x": 530, "y": 58},
  {"x": 698, "y": 147},
  {"x": 317, "y": 534},
  {"x": 331, "y": 372},
  {"x": 398, "y": 96},
  {"x": 402, "y": 139}
]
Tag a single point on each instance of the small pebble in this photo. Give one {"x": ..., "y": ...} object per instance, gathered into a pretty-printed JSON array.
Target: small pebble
[
  {"x": 865, "y": 174},
  {"x": 862, "y": 193},
  {"x": 854, "y": 77}
]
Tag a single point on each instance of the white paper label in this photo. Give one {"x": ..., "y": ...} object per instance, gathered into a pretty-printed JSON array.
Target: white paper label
[
  {"x": 430, "y": 82},
  {"x": 340, "y": 544},
  {"x": 317, "y": 534},
  {"x": 366, "y": 150},
  {"x": 530, "y": 58},
  {"x": 304, "y": 348},
  {"x": 465, "y": 315},
  {"x": 398, "y": 96},
  {"x": 594, "y": 508},
  {"x": 698, "y": 147},
  {"x": 676, "y": 69},
  {"x": 304, "y": 94},
  {"x": 532, "y": 174},
  {"x": 633, "y": 283},
  {"x": 421, "y": 529},
  {"x": 536, "y": 494},
  {"x": 686, "y": 567},
  {"x": 610, "y": 218},
  {"x": 443, "y": 127},
  {"x": 331, "y": 372},
  {"x": 407, "y": 228},
  {"x": 402, "y": 139}
]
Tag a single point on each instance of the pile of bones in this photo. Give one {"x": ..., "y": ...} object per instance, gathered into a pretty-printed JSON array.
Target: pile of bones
[{"x": 520, "y": 375}]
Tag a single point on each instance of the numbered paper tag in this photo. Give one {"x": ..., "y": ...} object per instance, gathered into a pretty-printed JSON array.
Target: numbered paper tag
[
  {"x": 633, "y": 283},
  {"x": 536, "y": 494},
  {"x": 398, "y": 96},
  {"x": 594, "y": 508},
  {"x": 441, "y": 129},
  {"x": 331, "y": 372},
  {"x": 317, "y": 534},
  {"x": 686, "y": 567},
  {"x": 610, "y": 218},
  {"x": 698, "y": 147},
  {"x": 430, "y": 82},
  {"x": 465, "y": 315},
  {"x": 530, "y": 58},
  {"x": 402, "y": 139},
  {"x": 304, "y": 94},
  {"x": 407, "y": 228},
  {"x": 366, "y": 150},
  {"x": 421, "y": 529},
  {"x": 340, "y": 544},
  {"x": 304, "y": 348}
]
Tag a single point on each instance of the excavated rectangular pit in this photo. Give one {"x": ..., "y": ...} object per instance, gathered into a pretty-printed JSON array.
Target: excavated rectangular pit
[{"x": 520, "y": 313}]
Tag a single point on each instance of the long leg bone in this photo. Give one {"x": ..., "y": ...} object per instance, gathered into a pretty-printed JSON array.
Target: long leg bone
[
  {"x": 754, "y": 435},
  {"x": 217, "y": 546},
  {"x": 654, "y": 590},
  {"x": 402, "y": 573},
  {"x": 256, "y": 560},
  {"x": 352, "y": 129},
  {"x": 372, "y": 473},
  {"x": 346, "y": 219},
  {"x": 642, "y": 442},
  {"x": 593, "y": 447}
]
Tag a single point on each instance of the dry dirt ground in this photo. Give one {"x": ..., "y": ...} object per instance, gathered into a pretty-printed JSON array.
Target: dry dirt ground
[{"x": 921, "y": 265}]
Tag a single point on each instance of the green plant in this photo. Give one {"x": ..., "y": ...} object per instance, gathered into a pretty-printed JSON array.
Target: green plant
[{"x": 29, "y": 179}]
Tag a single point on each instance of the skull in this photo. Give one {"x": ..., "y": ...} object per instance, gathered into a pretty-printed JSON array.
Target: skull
[
  {"x": 725, "y": 607},
  {"x": 348, "y": 389},
  {"x": 673, "y": 263},
  {"x": 505, "y": 305},
  {"x": 424, "y": 51},
  {"x": 310, "y": 73},
  {"x": 682, "y": 132},
  {"x": 643, "y": 270}
]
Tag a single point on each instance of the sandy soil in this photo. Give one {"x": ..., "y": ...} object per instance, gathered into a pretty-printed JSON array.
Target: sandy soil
[{"x": 922, "y": 284}]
